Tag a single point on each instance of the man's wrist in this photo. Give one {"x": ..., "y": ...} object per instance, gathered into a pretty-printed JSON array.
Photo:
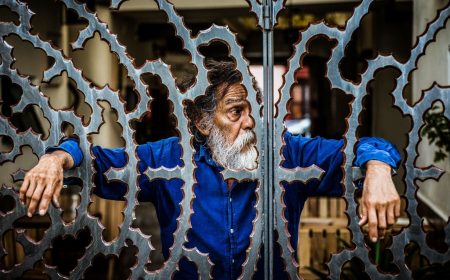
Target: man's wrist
[
  {"x": 64, "y": 158},
  {"x": 375, "y": 168},
  {"x": 378, "y": 164}
]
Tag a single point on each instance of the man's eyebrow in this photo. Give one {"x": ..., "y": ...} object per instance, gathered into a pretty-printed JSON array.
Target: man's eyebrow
[{"x": 234, "y": 100}]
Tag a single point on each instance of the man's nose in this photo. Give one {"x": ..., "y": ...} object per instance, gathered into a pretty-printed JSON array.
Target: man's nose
[{"x": 248, "y": 122}]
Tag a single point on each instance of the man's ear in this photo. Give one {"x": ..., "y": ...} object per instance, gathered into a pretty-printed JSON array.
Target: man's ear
[{"x": 203, "y": 127}]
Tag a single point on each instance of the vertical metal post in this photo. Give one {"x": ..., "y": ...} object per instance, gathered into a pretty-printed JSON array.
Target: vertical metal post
[{"x": 268, "y": 133}]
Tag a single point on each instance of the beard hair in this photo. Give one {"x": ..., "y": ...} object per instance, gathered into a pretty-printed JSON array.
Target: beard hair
[{"x": 232, "y": 156}]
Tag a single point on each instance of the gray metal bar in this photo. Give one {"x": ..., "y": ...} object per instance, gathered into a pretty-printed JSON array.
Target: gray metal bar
[{"x": 268, "y": 133}]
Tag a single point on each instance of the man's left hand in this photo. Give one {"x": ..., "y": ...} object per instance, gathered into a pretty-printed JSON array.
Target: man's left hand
[{"x": 380, "y": 201}]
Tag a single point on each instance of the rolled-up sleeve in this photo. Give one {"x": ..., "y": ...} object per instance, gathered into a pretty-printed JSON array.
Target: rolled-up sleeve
[{"x": 375, "y": 148}]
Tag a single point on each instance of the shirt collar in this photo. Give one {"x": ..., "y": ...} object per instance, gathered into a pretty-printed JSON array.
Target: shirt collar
[{"x": 204, "y": 154}]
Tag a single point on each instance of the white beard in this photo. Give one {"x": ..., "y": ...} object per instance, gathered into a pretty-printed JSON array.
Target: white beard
[{"x": 230, "y": 156}]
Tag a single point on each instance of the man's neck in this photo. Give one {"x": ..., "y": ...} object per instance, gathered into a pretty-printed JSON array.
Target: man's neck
[{"x": 230, "y": 183}]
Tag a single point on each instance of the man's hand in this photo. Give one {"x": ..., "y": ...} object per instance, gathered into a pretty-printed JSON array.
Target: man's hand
[
  {"x": 44, "y": 182},
  {"x": 380, "y": 201}
]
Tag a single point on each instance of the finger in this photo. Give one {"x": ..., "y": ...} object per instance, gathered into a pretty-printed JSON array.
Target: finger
[
  {"x": 30, "y": 191},
  {"x": 397, "y": 208},
  {"x": 35, "y": 198},
  {"x": 390, "y": 214},
  {"x": 363, "y": 220},
  {"x": 382, "y": 221},
  {"x": 57, "y": 193},
  {"x": 23, "y": 189},
  {"x": 373, "y": 224},
  {"x": 45, "y": 200}
]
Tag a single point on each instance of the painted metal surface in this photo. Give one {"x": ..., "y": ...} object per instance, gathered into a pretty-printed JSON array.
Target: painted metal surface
[{"x": 268, "y": 129}]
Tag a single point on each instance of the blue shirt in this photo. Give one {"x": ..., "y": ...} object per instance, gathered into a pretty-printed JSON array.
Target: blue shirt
[{"x": 222, "y": 218}]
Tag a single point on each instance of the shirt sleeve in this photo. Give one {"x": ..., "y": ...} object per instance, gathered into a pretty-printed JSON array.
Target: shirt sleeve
[
  {"x": 71, "y": 146},
  {"x": 375, "y": 148},
  {"x": 104, "y": 159},
  {"x": 166, "y": 152},
  {"x": 326, "y": 154}
]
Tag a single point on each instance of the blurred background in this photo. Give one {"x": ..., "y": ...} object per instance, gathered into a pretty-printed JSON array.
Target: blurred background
[{"x": 391, "y": 27}]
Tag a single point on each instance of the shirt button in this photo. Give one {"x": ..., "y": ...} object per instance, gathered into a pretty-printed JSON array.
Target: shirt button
[
  {"x": 231, "y": 200},
  {"x": 231, "y": 231},
  {"x": 232, "y": 260}
]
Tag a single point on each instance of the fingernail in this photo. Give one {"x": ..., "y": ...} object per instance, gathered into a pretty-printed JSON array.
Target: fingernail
[
  {"x": 29, "y": 214},
  {"x": 374, "y": 239},
  {"x": 42, "y": 212}
]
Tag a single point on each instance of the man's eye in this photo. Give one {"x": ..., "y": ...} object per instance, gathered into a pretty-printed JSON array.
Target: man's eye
[
  {"x": 236, "y": 111},
  {"x": 235, "y": 114}
]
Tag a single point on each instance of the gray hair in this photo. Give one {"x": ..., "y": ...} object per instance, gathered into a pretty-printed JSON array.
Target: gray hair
[{"x": 221, "y": 75}]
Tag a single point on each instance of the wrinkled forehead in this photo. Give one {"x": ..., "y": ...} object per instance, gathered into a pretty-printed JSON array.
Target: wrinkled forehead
[{"x": 233, "y": 93}]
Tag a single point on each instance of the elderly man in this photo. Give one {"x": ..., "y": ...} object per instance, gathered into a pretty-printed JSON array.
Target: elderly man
[{"x": 224, "y": 210}]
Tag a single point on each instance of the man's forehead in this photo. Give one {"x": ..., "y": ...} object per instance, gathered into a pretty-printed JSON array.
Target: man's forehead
[{"x": 235, "y": 93}]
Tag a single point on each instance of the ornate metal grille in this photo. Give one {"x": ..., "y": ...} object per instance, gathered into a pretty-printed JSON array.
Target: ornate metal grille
[{"x": 268, "y": 173}]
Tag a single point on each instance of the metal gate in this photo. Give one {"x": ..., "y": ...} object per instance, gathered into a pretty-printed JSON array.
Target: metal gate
[{"x": 268, "y": 129}]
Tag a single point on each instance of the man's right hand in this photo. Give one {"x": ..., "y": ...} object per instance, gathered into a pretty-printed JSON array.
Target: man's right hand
[{"x": 44, "y": 182}]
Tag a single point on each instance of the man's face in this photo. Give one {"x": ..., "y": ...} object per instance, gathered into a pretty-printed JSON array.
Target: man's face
[
  {"x": 231, "y": 138},
  {"x": 233, "y": 113}
]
